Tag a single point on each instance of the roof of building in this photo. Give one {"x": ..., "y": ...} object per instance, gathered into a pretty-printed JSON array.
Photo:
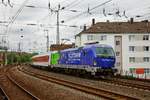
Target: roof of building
[
  {"x": 55, "y": 47},
  {"x": 118, "y": 27}
]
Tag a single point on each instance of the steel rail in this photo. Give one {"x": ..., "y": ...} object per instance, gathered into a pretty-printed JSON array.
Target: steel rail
[
  {"x": 84, "y": 88},
  {"x": 128, "y": 84},
  {"x": 7, "y": 98},
  {"x": 22, "y": 88}
]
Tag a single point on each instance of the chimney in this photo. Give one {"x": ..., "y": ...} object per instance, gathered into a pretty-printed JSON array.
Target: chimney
[
  {"x": 93, "y": 21},
  {"x": 144, "y": 21},
  {"x": 107, "y": 21},
  {"x": 84, "y": 28},
  {"x": 131, "y": 20}
]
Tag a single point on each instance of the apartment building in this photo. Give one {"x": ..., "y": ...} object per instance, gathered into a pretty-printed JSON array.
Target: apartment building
[{"x": 130, "y": 40}]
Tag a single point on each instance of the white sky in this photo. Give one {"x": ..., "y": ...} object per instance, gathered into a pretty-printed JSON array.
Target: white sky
[{"x": 34, "y": 37}]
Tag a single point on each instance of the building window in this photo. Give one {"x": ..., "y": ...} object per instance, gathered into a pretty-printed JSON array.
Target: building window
[
  {"x": 146, "y": 48},
  {"x": 117, "y": 53},
  {"x": 103, "y": 37},
  {"x": 147, "y": 70},
  {"x": 118, "y": 64},
  {"x": 131, "y": 37},
  {"x": 117, "y": 42},
  {"x": 145, "y": 37},
  {"x": 90, "y": 37},
  {"x": 131, "y": 48},
  {"x": 146, "y": 59},
  {"x": 132, "y": 70},
  {"x": 131, "y": 59}
]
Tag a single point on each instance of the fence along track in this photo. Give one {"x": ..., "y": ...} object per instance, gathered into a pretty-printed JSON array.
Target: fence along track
[
  {"x": 14, "y": 82},
  {"x": 84, "y": 88}
]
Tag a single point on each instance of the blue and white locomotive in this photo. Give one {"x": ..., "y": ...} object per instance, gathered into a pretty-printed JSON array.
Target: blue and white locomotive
[{"x": 96, "y": 59}]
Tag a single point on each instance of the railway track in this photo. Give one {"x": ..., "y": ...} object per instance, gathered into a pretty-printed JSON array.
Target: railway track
[
  {"x": 135, "y": 79},
  {"x": 22, "y": 88},
  {"x": 136, "y": 84},
  {"x": 11, "y": 90},
  {"x": 3, "y": 95},
  {"x": 128, "y": 83},
  {"x": 81, "y": 87}
]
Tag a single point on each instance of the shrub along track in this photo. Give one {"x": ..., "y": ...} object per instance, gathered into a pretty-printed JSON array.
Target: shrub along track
[
  {"x": 81, "y": 87},
  {"x": 12, "y": 90}
]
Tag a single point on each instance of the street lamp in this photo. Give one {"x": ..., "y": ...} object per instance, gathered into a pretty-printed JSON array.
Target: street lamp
[
  {"x": 19, "y": 45},
  {"x": 47, "y": 41}
]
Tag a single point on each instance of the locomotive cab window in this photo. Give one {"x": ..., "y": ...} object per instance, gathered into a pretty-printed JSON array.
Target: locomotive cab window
[
  {"x": 105, "y": 52},
  {"x": 84, "y": 53}
]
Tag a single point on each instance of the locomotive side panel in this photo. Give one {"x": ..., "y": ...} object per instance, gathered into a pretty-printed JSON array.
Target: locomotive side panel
[
  {"x": 72, "y": 57},
  {"x": 54, "y": 58},
  {"x": 87, "y": 56}
]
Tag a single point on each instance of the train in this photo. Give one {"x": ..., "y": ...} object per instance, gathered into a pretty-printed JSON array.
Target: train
[{"x": 96, "y": 59}]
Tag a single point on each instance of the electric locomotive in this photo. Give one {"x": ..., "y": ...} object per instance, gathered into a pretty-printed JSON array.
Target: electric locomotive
[{"x": 97, "y": 59}]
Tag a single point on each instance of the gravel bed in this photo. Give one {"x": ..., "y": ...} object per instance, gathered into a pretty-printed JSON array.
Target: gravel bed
[
  {"x": 135, "y": 81},
  {"x": 140, "y": 94},
  {"x": 48, "y": 91},
  {"x": 13, "y": 92}
]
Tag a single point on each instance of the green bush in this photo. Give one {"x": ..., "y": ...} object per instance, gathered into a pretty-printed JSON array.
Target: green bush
[{"x": 13, "y": 57}]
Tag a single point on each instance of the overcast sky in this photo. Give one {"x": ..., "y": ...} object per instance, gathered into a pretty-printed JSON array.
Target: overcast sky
[{"x": 23, "y": 13}]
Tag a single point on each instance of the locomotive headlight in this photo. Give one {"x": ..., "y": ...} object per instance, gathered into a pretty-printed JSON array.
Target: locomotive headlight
[{"x": 94, "y": 63}]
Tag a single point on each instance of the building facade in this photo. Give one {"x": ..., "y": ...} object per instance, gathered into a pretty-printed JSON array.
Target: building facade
[{"x": 130, "y": 40}]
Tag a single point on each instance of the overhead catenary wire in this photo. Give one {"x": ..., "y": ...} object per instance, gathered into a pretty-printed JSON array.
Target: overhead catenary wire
[
  {"x": 18, "y": 12},
  {"x": 4, "y": 3},
  {"x": 15, "y": 16},
  {"x": 8, "y": 2},
  {"x": 137, "y": 16},
  {"x": 74, "y": 17},
  {"x": 9, "y": 25},
  {"x": 71, "y": 3},
  {"x": 56, "y": 6}
]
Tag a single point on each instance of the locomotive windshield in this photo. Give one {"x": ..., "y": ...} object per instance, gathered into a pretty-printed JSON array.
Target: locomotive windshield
[{"x": 104, "y": 52}]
